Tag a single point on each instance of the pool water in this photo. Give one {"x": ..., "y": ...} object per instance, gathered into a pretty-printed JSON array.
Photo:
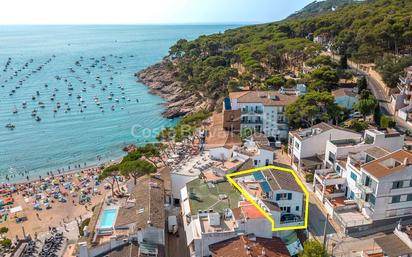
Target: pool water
[{"x": 108, "y": 218}]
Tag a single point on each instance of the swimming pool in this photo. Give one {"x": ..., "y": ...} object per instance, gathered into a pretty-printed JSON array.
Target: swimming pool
[{"x": 108, "y": 218}]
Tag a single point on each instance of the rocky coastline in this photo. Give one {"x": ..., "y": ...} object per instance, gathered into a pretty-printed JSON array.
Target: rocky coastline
[{"x": 179, "y": 102}]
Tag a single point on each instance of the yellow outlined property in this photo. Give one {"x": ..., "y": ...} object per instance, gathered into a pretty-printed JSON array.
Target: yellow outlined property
[{"x": 250, "y": 199}]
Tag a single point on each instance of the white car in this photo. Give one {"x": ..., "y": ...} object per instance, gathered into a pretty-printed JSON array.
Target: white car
[{"x": 355, "y": 115}]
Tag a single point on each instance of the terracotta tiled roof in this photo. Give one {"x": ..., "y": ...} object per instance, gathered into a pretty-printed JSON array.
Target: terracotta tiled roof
[
  {"x": 267, "y": 98},
  {"x": 378, "y": 169},
  {"x": 343, "y": 92},
  {"x": 238, "y": 247},
  {"x": 218, "y": 137}
]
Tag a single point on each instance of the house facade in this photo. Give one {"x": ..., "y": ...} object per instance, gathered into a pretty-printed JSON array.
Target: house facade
[
  {"x": 262, "y": 111},
  {"x": 401, "y": 102},
  {"x": 306, "y": 147}
]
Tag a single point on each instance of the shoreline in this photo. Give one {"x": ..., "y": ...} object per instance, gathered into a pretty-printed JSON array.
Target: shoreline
[
  {"x": 63, "y": 173},
  {"x": 160, "y": 81}
]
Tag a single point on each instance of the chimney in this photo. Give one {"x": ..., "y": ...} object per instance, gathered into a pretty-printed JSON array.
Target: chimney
[
  {"x": 406, "y": 161},
  {"x": 263, "y": 251},
  {"x": 399, "y": 226}
]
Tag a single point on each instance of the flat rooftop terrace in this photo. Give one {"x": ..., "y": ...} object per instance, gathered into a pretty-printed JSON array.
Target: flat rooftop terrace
[{"x": 207, "y": 196}]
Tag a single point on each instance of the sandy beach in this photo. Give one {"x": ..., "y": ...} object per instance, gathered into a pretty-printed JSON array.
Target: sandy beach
[{"x": 51, "y": 201}]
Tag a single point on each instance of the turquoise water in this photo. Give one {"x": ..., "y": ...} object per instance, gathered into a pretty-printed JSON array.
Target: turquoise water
[
  {"x": 92, "y": 63},
  {"x": 108, "y": 218}
]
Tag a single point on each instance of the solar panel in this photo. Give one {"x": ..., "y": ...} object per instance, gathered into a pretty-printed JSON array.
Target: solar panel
[
  {"x": 227, "y": 104},
  {"x": 265, "y": 187},
  {"x": 258, "y": 176}
]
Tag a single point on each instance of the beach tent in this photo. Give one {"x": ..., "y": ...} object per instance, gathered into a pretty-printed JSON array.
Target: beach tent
[
  {"x": 16, "y": 209},
  {"x": 17, "y": 213}
]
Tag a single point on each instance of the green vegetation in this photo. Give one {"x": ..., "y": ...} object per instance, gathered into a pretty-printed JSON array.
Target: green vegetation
[
  {"x": 312, "y": 248},
  {"x": 186, "y": 126},
  {"x": 324, "y": 78},
  {"x": 136, "y": 169},
  {"x": 259, "y": 56},
  {"x": 362, "y": 84},
  {"x": 84, "y": 223},
  {"x": 3, "y": 230},
  {"x": 132, "y": 165},
  {"x": 309, "y": 177},
  {"x": 391, "y": 68},
  {"x": 387, "y": 122},
  {"x": 317, "y": 7},
  {"x": 312, "y": 108},
  {"x": 6, "y": 243},
  {"x": 356, "y": 125},
  {"x": 366, "y": 104}
]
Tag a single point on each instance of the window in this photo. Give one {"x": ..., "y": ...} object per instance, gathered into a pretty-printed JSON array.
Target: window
[
  {"x": 284, "y": 196},
  {"x": 353, "y": 176},
  {"x": 352, "y": 195},
  {"x": 297, "y": 145},
  {"x": 397, "y": 184},
  {"x": 396, "y": 199},
  {"x": 331, "y": 157},
  {"x": 297, "y": 208},
  {"x": 256, "y": 162},
  {"x": 285, "y": 209}
]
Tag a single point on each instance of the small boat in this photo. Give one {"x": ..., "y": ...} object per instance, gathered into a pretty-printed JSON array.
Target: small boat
[
  {"x": 10, "y": 126},
  {"x": 109, "y": 98},
  {"x": 38, "y": 118},
  {"x": 15, "y": 111}
]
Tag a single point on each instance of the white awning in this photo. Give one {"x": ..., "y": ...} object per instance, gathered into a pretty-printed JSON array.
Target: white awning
[{"x": 16, "y": 209}]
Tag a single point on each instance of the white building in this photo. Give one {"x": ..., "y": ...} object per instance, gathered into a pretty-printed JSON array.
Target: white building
[
  {"x": 306, "y": 147},
  {"x": 262, "y": 111},
  {"x": 278, "y": 193},
  {"x": 370, "y": 188},
  {"x": 341, "y": 148},
  {"x": 401, "y": 102}
]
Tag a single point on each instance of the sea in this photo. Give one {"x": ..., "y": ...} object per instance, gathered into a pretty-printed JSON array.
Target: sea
[{"x": 69, "y": 97}]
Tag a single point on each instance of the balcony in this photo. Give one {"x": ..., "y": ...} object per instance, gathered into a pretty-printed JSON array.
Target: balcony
[
  {"x": 252, "y": 121},
  {"x": 329, "y": 177},
  {"x": 364, "y": 188},
  {"x": 251, "y": 112}
]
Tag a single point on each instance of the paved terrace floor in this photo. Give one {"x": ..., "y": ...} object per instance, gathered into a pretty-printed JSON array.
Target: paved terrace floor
[{"x": 204, "y": 197}]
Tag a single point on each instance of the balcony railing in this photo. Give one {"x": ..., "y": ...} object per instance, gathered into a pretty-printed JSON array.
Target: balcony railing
[
  {"x": 258, "y": 111},
  {"x": 364, "y": 188},
  {"x": 252, "y": 121}
]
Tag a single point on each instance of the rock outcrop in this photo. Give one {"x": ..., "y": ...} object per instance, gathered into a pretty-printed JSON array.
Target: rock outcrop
[{"x": 179, "y": 102}]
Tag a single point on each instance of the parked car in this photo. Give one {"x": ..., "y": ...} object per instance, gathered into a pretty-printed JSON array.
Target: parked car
[
  {"x": 172, "y": 224},
  {"x": 355, "y": 115}
]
